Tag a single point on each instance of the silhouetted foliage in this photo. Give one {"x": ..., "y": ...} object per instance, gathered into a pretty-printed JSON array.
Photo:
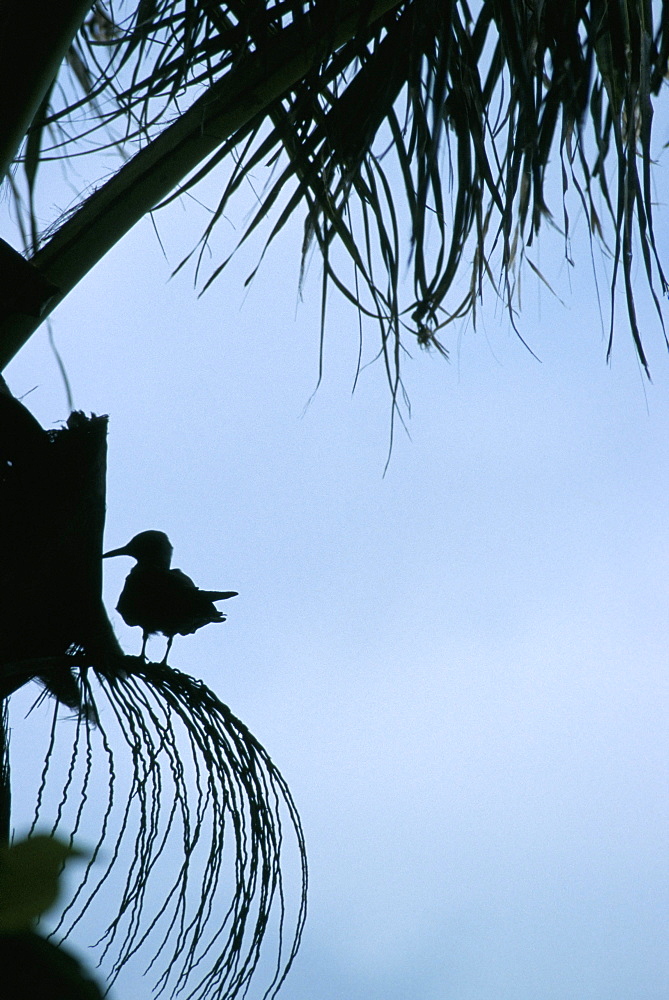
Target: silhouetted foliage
[
  {"x": 187, "y": 871},
  {"x": 196, "y": 804},
  {"x": 32, "y": 967},
  {"x": 413, "y": 130},
  {"x": 419, "y": 130}
]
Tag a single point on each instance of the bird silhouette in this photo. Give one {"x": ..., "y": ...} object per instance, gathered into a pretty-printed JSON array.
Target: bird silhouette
[{"x": 160, "y": 599}]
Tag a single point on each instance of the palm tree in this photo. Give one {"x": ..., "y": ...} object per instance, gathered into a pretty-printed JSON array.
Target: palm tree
[
  {"x": 370, "y": 113},
  {"x": 190, "y": 824},
  {"x": 374, "y": 118}
]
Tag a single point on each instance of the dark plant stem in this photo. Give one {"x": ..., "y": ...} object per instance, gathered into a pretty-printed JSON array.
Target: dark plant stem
[{"x": 5, "y": 782}]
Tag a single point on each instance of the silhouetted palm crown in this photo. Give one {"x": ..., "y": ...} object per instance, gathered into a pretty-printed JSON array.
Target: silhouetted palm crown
[{"x": 160, "y": 599}]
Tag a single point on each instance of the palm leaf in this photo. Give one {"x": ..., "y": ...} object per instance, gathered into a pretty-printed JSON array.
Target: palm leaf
[
  {"x": 419, "y": 130},
  {"x": 194, "y": 834}
]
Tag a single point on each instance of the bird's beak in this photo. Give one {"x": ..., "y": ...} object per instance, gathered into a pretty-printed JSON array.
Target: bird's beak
[{"x": 116, "y": 552}]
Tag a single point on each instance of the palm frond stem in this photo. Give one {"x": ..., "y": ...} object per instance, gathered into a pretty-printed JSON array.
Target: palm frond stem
[{"x": 228, "y": 106}]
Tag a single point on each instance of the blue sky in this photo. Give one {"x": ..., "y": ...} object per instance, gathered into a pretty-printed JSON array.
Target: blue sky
[{"x": 460, "y": 666}]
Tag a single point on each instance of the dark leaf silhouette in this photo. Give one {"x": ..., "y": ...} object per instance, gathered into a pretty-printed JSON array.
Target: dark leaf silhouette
[
  {"x": 196, "y": 804},
  {"x": 194, "y": 829},
  {"x": 418, "y": 131}
]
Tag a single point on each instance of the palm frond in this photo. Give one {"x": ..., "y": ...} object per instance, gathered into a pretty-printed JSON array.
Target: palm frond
[
  {"x": 418, "y": 130},
  {"x": 193, "y": 840}
]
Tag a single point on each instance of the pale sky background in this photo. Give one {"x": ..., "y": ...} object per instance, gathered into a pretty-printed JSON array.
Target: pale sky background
[{"x": 461, "y": 667}]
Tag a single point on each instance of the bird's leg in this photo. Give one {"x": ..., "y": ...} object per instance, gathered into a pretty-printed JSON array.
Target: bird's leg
[
  {"x": 170, "y": 640},
  {"x": 145, "y": 636}
]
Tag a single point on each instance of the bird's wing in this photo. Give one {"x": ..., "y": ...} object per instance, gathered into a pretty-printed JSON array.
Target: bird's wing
[{"x": 212, "y": 595}]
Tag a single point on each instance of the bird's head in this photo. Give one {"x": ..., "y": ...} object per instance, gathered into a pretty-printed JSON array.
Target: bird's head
[{"x": 149, "y": 548}]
